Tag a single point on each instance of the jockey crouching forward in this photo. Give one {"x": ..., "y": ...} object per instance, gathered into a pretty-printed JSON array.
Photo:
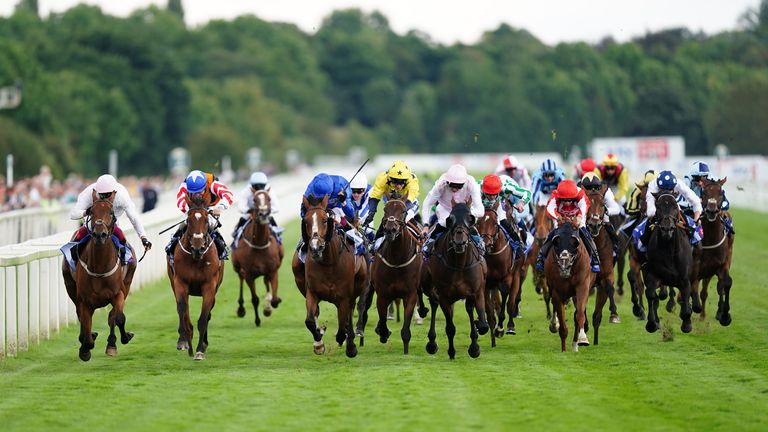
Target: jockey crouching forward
[
  {"x": 245, "y": 204},
  {"x": 398, "y": 179},
  {"x": 697, "y": 173},
  {"x": 219, "y": 198},
  {"x": 359, "y": 191},
  {"x": 592, "y": 182},
  {"x": 504, "y": 190},
  {"x": 569, "y": 200},
  {"x": 453, "y": 187},
  {"x": 104, "y": 187}
]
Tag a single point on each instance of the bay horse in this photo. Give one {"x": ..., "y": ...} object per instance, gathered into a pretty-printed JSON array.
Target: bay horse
[
  {"x": 634, "y": 274},
  {"x": 519, "y": 266},
  {"x": 605, "y": 278},
  {"x": 670, "y": 260},
  {"x": 457, "y": 271},
  {"x": 396, "y": 269},
  {"x": 99, "y": 279},
  {"x": 332, "y": 272},
  {"x": 568, "y": 275},
  {"x": 543, "y": 225},
  {"x": 717, "y": 251},
  {"x": 258, "y": 254},
  {"x": 195, "y": 271}
]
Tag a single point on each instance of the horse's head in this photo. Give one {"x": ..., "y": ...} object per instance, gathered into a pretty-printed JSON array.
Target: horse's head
[
  {"x": 102, "y": 217},
  {"x": 643, "y": 202},
  {"x": 488, "y": 226},
  {"x": 566, "y": 245},
  {"x": 597, "y": 210},
  {"x": 197, "y": 232},
  {"x": 459, "y": 223},
  {"x": 712, "y": 198},
  {"x": 394, "y": 217},
  {"x": 317, "y": 226},
  {"x": 667, "y": 213},
  {"x": 543, "y": 224},
  {"x": 262, "y": 206}
]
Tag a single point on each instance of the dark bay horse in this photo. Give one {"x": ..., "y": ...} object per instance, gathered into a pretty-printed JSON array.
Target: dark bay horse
[
  {"x": 258, "y": 254},
  {"x": 195, "y": 271},
  {"x": 456, "y": 272},
  {"x": 605, "y": 279},
  {"x": 332, "y": 273},
  {"x": 568, "y": 275},
  {"x": 717, "y": 251},
  {"x": 544, "y": 225},
  {"x": 670, "y": 260},
  {"x": 396, "y": 269},
  {"x": 99, "y": 279}
]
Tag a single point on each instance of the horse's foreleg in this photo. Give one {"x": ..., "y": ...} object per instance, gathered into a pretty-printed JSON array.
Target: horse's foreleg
[
  {"x": 363, "y": 303},
  {"x": 381, "y": 329},
  {"x": 275, "y": 299},
  {"x": 111, "y": 339},
  {"x": 209, "y": 301},
  {"x": 345, "y": 317},
  {"x": 474, "y": 347},
  {"x": 513, "y": 304},
  {"x": 562, "y": 325},
  {"x": 405, "y": 332},
  {"x": 635, "y": 286},
  {"x": 695, "y": 299},
  {"x": 652, "y": 324},
  {"x": 597, "y": 315},
  {"x": 704, "y": 295},
  {"x": 724, "y": 283},
  {"x": 482, "y": 318},
  {"x": 450, "y": 328},
  {"x": 86, "y": 337},
  {"x": 240, "y": 301},
  {"x": 580, "y": 321},
  {"x": 502, "y": 311},
  {"x": 432, "y": 335},
  {"x": 119, "y": 308},
  {"x": 185, "y": 325},
  {"x": 423, "y": 311},
  {"x": 311, "y": 322},
  {"x": 685, "y": 306},
  {"x": 254, "y": 300}
]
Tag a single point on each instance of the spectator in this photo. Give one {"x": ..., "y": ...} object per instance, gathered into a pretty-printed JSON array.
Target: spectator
[{"x": 149, "y": 193}]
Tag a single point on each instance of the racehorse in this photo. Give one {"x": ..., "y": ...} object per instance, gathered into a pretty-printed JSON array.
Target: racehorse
[
  {"x": 519, "y": 265},
  {"x": 634, "y": 275},
  {"x": 396, "y": 269},
  {"x": 617, "y": 221},
  {"x": 195, "y": 270},
  {"x": 457, "y": 271},
  {"x": 605, "y": 292},
  {"x": 717, "y": 251},
  {"x": 543, "y": 225},
  {"x": 258, "y": 254},
  {"x": 99, "y": 279},
  {"x": 670, "y": 260},
  {"x": 568, "y": 275},
  {"x": 332, "y": 273}
]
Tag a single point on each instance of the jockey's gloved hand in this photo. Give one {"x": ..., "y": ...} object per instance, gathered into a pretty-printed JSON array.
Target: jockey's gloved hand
[
  {"x": 217, "y": 211},
  {"x": 342, "y": 197},
  {"x": 146, "y": 243},
  {"x": 368, "y": 219}
]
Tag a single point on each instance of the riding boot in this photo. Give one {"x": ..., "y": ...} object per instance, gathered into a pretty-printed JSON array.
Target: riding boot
[
  {"x": 430, "y": 243},
  {"x": 544, "y": 251},
  {"x": 221, "y": 245},
  {"x": 513, "y": 234},
  {"x": 175, "y": 239},
  {"x": 594, "y": 258},
  {"x": 240, "y": 223},
  {"x": 479, "y": 243}
]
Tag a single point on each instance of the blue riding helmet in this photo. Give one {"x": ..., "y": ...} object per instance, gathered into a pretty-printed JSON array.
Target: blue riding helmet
[
  {"x": 699, "y": 169},
  {"x": 666, "y": 180},
  {"x": 322, "y": 185},
  {"x": 548, "y": 166},
  {"x": 196, "y": 181}
]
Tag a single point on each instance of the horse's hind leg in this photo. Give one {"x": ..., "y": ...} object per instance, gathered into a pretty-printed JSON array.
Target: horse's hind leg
[
  {"x": 450, "y": 328},
  {"x": 695, "y": 298},
  {"x": 432, "y": 335},
  {"x": 185, "y": 325},
  {"x": 724, "y": 283},
  {"x": 240, "y": 301},
  {"x": 209, "y": 300},
  {"x": 513, "y": 305},
  {"x": 597, "y": 314},
  {"x": 703, "y": 295},
  {"x": 345, "y": 321},
  {"x": 502, "y": 311},
  {"x": 363, "y": 304},
  {"x": 474, "y": 347}
]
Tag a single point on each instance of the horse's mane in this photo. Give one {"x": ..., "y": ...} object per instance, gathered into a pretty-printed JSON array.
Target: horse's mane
[
  {"x": 313, "y": 200},
  {"x": 197, "y": 201},
  {"x": 395, "y": 196}
]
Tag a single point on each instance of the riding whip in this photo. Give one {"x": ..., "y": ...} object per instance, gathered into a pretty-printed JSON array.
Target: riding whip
[
  {"x": 177, "y": 223},
  {"x": 358, "y": 170}
]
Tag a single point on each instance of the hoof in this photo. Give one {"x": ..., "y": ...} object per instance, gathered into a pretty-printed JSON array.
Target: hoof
[
  {"x": 482, "y": 327},
  {"x": 182, "y": 345},
  {"x": 111, "y": 351},
  {"x": 663, "y": 294},
  {"x": 582, "y": 340},
  {"x": 359, "y": 333},
  {"x": 651, "y": 326},
  {"x": 553, "y": 328},
  {"x": 670, "y": 306},
  {"x": 85, "y": 355},
  {"x": 511, "y": 330},
  {"x": 538, "y": 289},
  {"x": 725, "y": 321},
  {"x": 474, "y": 351},
  {"x": 257, "y": 321},
  {"x": 575, "y": 347},
  {"x": 614, "y": 319},
  {"x": 351, "y": 352},
  {"x": 127, "y": 338},
  {"x": 199, "y": 356},
  {"x": 431, "y": 347},
  {"x": 686, "y": 327},
  {"x": 423, "y": 312},
  {"x": 319, "y": 348},
  {"x": 452, "y": 354},
  {"x": 275, "y": 302},
  {"x": 498, "y": 332},
  {"x": 419, "y": 320},
  {"x": 638, "y": 312},
  {"x": 696, "y": 309},
  {"x": 240, "y": 312},
  {"x": 620, "y": 289},
  {"x": 267, "y": 311}
]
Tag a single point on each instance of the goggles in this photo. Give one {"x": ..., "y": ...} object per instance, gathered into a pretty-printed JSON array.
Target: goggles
[
  {"x": 357, "y": 191},
  {"x": 455, "y": 185},
  {"x": 258, "y": 186},
  {"x": 401, "y": 182}
]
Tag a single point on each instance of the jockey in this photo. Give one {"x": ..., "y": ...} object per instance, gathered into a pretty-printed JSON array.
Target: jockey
[
  {"x": 569, "y": 200},
  {"x": 695, "y": 179},
  {"x": 398, "y": 178},
  {"x": 591, "y": 181},
  {"x": 122, "y": 203},
  {"x": 615, "y": 176},
  {"x": 633, "y": 207},
  {"x": 584, "y": 166},
  {"x": 258, "y": 181},
  {"x": 333, "y": 186},
  {"x": 504, "y": 190},
  {"x": 511, "y": 167},
  {"x": 218, "y": 197},
  {"x": 455, "y": 186},
  {"x": 359, "y": 191},
  {"x": 545, "y": 181}
]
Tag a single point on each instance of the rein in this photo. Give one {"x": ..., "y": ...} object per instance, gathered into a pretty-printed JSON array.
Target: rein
[{"x": 210, "y": 243}]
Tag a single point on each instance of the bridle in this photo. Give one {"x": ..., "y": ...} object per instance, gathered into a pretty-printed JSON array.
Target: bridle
[
  {"x": 110, "y": 229},
  {"x": 390, "y": 235},
  {"x": 493, "y": 237},
  {"x": 260, "y": 213},
  {"x": 190, "y": 236}
]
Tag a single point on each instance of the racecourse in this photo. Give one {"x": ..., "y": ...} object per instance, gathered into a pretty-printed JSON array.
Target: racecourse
[{"x": 267, "y": 378}]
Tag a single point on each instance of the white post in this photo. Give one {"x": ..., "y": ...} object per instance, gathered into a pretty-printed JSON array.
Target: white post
[
  {"x": 22, "y": 311},
  {"x": 53, "y": 297},
  {"x": 34, "y": 302},
  {"x": 10, "y": 311},
  {"x": 2, "y": 312},
  {"x": 9, "y": 170}
]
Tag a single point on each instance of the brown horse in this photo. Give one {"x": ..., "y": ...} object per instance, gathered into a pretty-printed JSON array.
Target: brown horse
[
  {"x": 717, "y": 251},
  {"x": 195, "y": 271},
  {"x": 332, "y": 273},
  {"x": 568, "y": 275},
  {"x": 457, "y": 271},
  {"x": 519, "y": 266},
  {"x": 258, "y": 254},
  {"x": 634, "y": 275},
  {"x": 99, "y": 279},
  {"x": 605, "y": 279},
  {"x": 396, "y": 270},
  {"x": 543, "y": 225}
]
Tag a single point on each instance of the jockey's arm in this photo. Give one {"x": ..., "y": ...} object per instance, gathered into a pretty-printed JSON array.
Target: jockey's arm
[
  {"x": 181, "y": 203},
  {"x": 691, "y": 197},
  {"x": 633, "y": 205},
  {"x": 413, "y": 188},
  {"x": 245, "y": 200},
  {"x": 650, "y": 200},
  {"x": 623, "y": 184},
  {"x": 477, "y": 200},
  {"x": 123, "y": 200},
  {"x": 430, "y": 200},
  {"x": 84, "y": 202},
  {"x": 552, "y": 206},
  {"x": 274, "y": 203},
  {"x": 611, "y": 206}
]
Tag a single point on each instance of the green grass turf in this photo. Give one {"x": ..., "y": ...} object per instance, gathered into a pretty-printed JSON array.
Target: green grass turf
[{"x": 267, "y": 378}]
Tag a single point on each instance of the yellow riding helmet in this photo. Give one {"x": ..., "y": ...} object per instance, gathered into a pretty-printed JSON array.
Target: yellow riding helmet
[
  {"x": 591, "y": 179},
  {"x": 399, "y": 171},
  {"x": 649, "y": 177},
  {"x": 610, "y": 160}
]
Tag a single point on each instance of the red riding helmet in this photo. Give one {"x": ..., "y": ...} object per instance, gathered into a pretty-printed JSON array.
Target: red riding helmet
[
  {"x": 567, "y": 189},
  {"x": 587, "y": 165},
  {"x": 491, "y": 184}
]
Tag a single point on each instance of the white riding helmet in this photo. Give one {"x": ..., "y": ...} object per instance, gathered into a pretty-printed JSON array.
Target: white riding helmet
[
  {"x": 359, "y": 182},
  {"x": 258, "y": 178},
  {"x": 456, "y": 174},
  {"x": 105, "y": 184},
  {"x": 511, "y": 162}
]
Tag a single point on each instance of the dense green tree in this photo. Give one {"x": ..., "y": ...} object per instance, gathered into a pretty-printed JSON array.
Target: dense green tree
[
  {"x": 738, "y": 119},
  {"x": 175, "y": 7}
]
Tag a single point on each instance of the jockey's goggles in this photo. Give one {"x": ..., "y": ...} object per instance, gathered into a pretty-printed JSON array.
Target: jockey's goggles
[
  {"x": 568, "y": 200},
  {"x": 358, "y": 191},
  {"x": 104, "y": 195},
  {"x": 510, "y": 169},
  {"x": 401, "y": 182},
  {"x": 697, "y": 178},
  {"x": 258, "y": 186},
  {"x": 591, "y": 187},
  {"x": 491, "y": 197},
  {"x": 455, "y": 185},
  {"x": 548, "y": 174},
  {"x": 610, "y": 167}
]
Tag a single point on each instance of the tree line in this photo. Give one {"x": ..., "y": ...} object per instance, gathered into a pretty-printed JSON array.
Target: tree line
[{"x": 147, "y": 83}]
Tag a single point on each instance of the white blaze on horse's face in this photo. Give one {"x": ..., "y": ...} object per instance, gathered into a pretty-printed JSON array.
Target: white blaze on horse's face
[
  {"x": 315, "y": 239},
  {"x": 198, "y": 216},
  {"x": 262, "y": 204}
]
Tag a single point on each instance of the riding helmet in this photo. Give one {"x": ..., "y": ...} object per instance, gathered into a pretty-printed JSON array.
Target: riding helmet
[
  {"x": 491, "y": 184},
  {"x": 105, "y": 184},
  {"x": 456, "y": 174},
  {"x": 511, "y": 162},
  {"x": 322, "y": 185},
  {"x": 567, "y": 189},
  {"x": 548, "y": 166},
  {"x": 399, "y": 171},
  {"x": 610, "y": 160},
  {"x": 591, "y": 179},
  {"x": 196, "y": 181},
  {"x": 359, "y": 182},
  {"x": 666, "y": 180},
  {"x": 699, "y": 169},
  {"x": 258, "y": 178}
]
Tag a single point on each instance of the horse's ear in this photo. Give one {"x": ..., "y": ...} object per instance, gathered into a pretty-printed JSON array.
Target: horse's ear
[
  {"x": 188, "y": 200},
  {"x": 324, "y": 202},
  {"x": 472, "y": 219},
  {"x": 656, "y": 194},
  {"x": 305, "y": 201},
  {"x": 94, "y": 195},
  {"x": 496, "y": 205},
  {"x": 453, "y": 202},
  {"x": 603, "y": 188},
  {"x": 723, "y": 180},
  {"x": 450, "y": 221}
]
